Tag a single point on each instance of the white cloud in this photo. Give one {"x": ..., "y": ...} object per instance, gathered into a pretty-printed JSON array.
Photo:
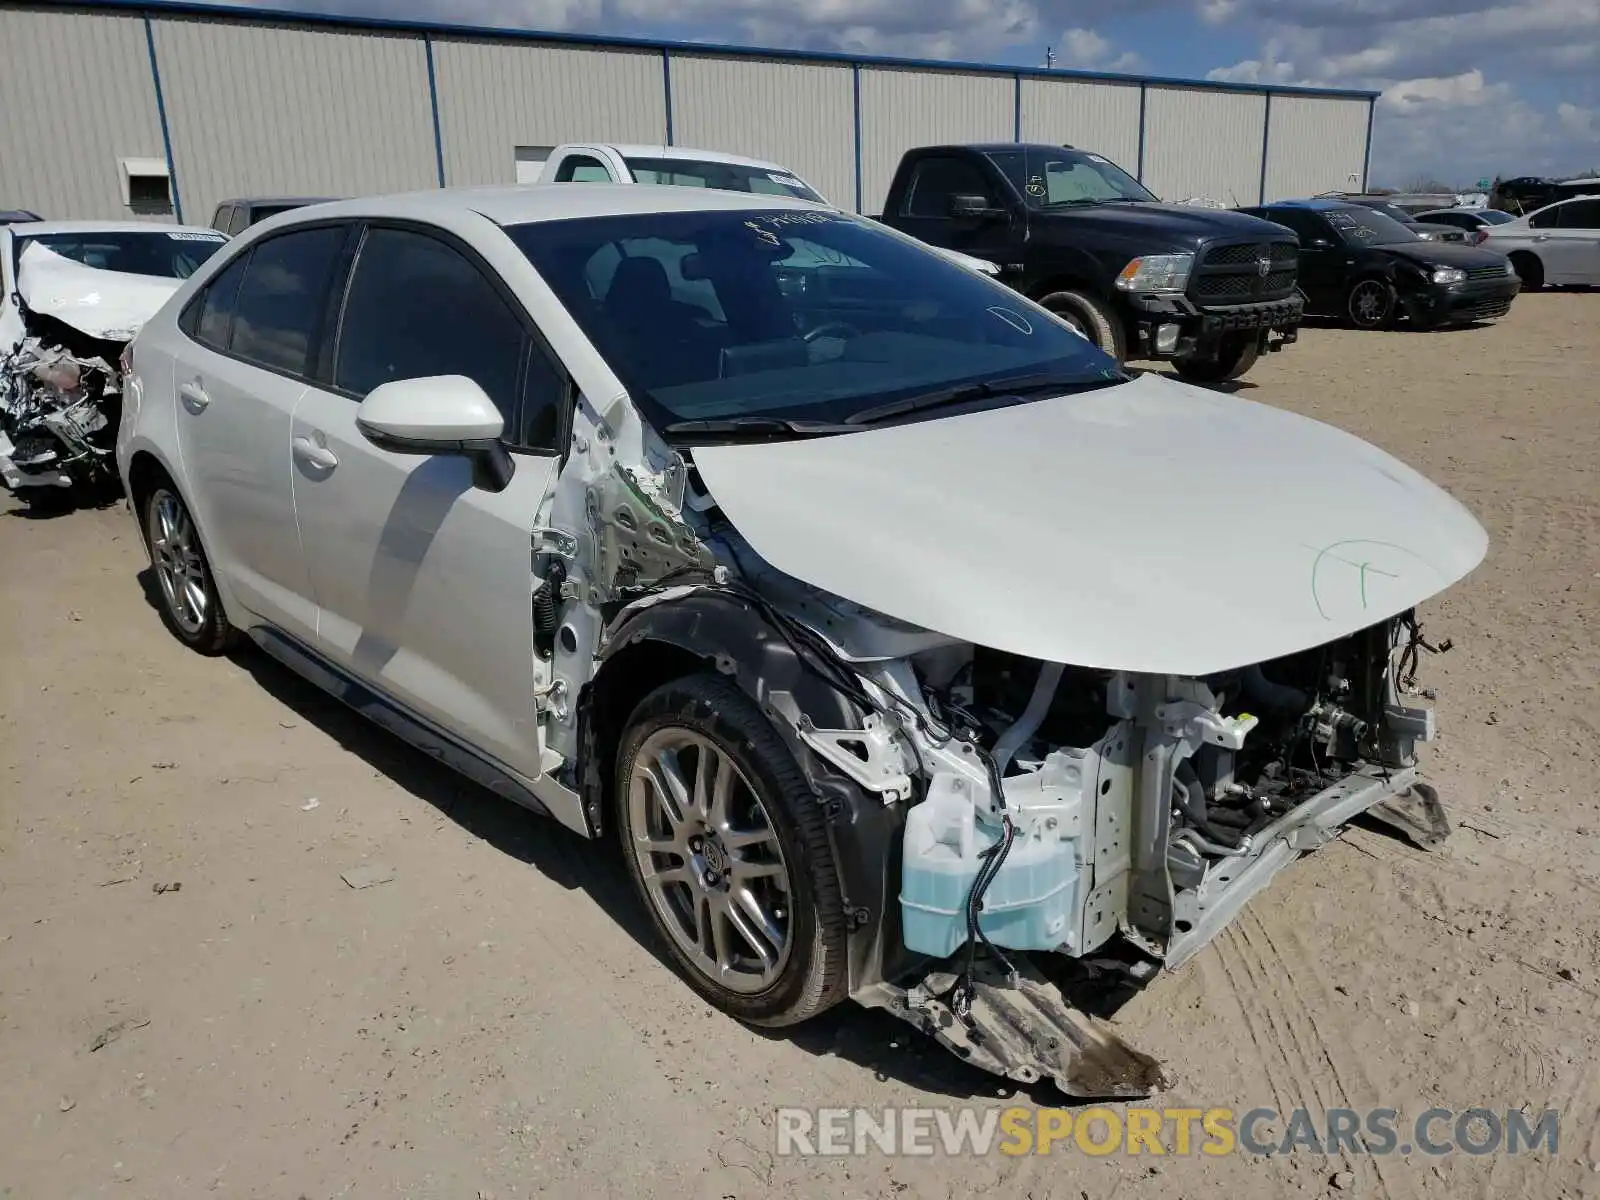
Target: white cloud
[
  {"x": 1583, "y": 122},
  {"x": 1086, "y": 49},
  {"x": 1466, "y": 90}
]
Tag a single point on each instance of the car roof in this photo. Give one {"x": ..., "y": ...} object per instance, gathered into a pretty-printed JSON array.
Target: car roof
[
  {"x": 1316, "y": 205},
  {"x": 683, "y": 153},
  {"x": 520, "y": 204},
  {"x": 39, "y": 228},
  {"x": 301, "y": 200}
]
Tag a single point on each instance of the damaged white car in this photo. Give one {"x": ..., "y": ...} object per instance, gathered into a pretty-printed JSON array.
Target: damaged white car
[
  {"x": 914, "y": 652},
  {"x": 74, "y": 294}
]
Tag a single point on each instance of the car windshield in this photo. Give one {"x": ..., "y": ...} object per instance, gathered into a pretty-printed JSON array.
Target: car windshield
[
  {"x": 168, "y": 254},
  {"x": 1360, "y": 226},
  {"x": 1494, "y": 216},
  {"x": 1063, "y": 178},
  {"x": 794, "y": 315},
  {"x": 723, "y": 177}
]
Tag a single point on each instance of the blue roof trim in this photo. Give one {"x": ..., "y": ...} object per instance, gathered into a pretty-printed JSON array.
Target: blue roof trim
[{"x": 662, "y": 46}]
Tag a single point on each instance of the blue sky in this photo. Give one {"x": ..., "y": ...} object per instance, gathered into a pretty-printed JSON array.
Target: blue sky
[{"x": 1470, "y": 88}]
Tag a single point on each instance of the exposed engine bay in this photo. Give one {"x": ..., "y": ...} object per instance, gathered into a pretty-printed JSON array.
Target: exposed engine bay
[{"x": 60, "y": 404}]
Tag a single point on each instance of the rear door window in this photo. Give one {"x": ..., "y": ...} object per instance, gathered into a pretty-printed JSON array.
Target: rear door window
[
  {"x": 281, "y": 302},
  {"x": 581, "y": 168},
  {"x": 214, "y": 326},
  {"x": 1581, "y": 214}
]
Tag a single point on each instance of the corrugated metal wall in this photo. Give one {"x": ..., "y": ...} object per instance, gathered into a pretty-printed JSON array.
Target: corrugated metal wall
[
  {"x": 268, "y": 110},
  {"x": 76, "y": 96},
  {"x": 496, "y": 96},
  {"x": 902, "y": 108},
  {"x": 264, "y": 107},
  {"x": 1102, "y": 117},
  {"x": 1200, "y": 143},
  {"x": 799, "y": 114},
  {"x": 1314, "y": 145}
]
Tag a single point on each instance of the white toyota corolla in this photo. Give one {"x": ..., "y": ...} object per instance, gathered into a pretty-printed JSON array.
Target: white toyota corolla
[{"x": 907, "y": 643}]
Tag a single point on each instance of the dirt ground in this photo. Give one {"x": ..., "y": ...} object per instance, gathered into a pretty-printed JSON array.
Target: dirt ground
[{"x": 494, "y": 1022}]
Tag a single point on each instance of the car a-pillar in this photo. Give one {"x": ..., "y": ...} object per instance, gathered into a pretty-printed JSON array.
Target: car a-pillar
[{"x": 720, "y": 634}]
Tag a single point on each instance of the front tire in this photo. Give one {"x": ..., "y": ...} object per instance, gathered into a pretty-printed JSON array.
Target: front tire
[
  {"x": 1089, "y": 317},
  {"x": 1233, "y": 358},
  {"x": 728, "y": 848},
  {"x": 190, "y": 606},
  {"x": 1370, "y": 304}
]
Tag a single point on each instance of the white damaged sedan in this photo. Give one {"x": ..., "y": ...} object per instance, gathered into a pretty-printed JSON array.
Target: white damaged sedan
[{"x": 913, "y": 651}]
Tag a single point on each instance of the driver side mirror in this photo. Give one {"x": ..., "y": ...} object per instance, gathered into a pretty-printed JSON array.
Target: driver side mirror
[
  {"x": 1318, "y": 243},
  {"x": 439, "y": 415},
  {"x": 974, "y": 208}
]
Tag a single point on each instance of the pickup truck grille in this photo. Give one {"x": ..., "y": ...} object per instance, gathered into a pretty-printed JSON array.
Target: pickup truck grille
[{"x": 1234, "y": 273}]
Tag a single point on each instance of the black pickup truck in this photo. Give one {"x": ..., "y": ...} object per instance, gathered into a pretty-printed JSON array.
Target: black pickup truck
[{"x": 1207, "y": 289}]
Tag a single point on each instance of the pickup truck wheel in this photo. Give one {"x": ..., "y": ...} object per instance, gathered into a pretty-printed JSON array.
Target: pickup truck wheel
[
  {"x": 728, "y": 847},
  {"x": 1530, "y": 270},
  {"x": 1370, "y": 304},
  {"x": 1233, "y": 358},
  {"x": 1089, "y": 317}
]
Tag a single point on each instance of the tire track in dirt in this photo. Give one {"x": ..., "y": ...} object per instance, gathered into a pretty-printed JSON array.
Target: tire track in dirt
[{"x": 1280, "y": 997}]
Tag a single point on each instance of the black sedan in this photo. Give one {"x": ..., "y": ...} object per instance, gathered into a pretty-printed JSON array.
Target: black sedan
[{"x": 1360, "y": 266}]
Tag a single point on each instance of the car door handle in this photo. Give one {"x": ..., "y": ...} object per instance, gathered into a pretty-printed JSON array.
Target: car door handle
[
  {"x": 314, "y": 455},
  {"x": 1541, "y": 237},
  {"x": 194, "y": 397}
]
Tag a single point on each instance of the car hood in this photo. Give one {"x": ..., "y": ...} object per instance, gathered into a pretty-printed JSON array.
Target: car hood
[
  {"x": 1183, "y": 225},
  {"x": 110, "y": 305},
  {"x": 1447, "y": 254},
  {"x": 1150, "y": 527}
]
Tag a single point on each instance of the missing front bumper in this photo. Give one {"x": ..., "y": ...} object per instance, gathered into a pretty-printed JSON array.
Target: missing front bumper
[{"x": 1394, "y": 796}]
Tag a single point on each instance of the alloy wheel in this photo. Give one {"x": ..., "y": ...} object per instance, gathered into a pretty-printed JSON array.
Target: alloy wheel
[
  {"x": 1369, "y": 303},
  {"x": 175, "y": 554},
  {"x": 712, "y": 865}
]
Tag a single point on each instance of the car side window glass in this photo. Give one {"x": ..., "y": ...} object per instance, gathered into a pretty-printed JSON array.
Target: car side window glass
[
  {"x": 418, "y": 307},
  {"x": 936, "y": 180},
  {"x": 1581, "y": 214},
  {"x": 580, "y": 168},
  {"x": 280, "y": 303},
  {"x": 545, "y": 394},
  {"x": 215, "y": 324},
  {"x": 1548, "y": 218}
]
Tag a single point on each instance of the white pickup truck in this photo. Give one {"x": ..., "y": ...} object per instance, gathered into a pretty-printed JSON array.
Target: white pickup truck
[{"x": 596, "y": 162}]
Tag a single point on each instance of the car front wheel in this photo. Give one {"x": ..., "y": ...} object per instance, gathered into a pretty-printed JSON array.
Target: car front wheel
[{"x": 727, "y": 846}]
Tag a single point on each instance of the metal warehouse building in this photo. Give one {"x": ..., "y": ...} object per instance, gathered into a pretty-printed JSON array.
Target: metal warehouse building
[{"x": 163, "y": 109}]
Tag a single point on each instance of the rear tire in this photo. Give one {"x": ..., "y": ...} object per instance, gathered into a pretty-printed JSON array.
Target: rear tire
[
  {"x": 1529, "y": 269},
  {"x": 1089, "y": 317},
  {"x": 1233, "y": 358},
  {"x": 191, "y": 608},
  {"x": 728, "y": 848}
]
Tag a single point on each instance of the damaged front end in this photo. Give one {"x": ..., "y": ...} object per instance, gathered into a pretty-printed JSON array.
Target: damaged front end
[
  {"x": 61, "y": 350},
  {"x": 1046, "y": 813},
  {"x": 59, "y": 411}
]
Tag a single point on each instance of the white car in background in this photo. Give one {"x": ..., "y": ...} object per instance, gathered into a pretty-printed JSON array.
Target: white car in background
[
  {"x": 896, "y": 632},
  {"x": 72, "y": 295},
  {"x": 1559, "y": 244},
  {"x": 680, "y": 166}
]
